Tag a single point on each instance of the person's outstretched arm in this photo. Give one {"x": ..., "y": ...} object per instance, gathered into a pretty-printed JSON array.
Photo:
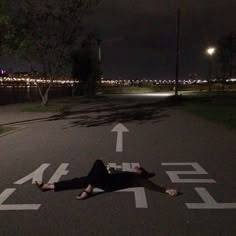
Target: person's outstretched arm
[{"x": 155, "y": 187}]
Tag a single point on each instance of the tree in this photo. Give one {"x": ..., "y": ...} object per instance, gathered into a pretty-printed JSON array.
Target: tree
[
  {"x": 5, "y": 29},
  {"x": 46, "y": 32},
  {"x": 86, "y": 66},
  {"x": 226, "y": 55}
]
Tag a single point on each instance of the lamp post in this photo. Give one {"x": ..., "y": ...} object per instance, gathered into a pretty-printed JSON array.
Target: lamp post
[
  {"x": 99, "y": 42},
  {"x": 177, "y": 53},
  {"x": 210, "y": 52}
]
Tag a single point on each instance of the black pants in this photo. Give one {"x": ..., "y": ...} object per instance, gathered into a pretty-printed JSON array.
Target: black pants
[{"x": 97, "y": 177}]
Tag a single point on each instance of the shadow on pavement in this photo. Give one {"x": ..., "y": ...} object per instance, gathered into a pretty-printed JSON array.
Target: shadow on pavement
[
  {"x": 105, "y": 112},
  {"x": 102, "y": 111}
]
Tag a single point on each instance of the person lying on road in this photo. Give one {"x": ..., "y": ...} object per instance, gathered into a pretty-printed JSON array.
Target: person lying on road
[{"x": 107, "y": 179}]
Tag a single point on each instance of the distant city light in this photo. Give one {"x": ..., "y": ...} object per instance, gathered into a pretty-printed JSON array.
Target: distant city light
[
  {"x": 33, "y": 81},
  {"x": 20, "y": 80},
  {"x": 2, "y": 71}
]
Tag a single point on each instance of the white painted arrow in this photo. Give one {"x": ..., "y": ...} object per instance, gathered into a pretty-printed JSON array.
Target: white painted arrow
[{"x": 119, "y": 128}]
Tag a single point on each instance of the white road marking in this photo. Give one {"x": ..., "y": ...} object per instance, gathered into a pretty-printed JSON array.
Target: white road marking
[
  {"x": 139, "y": 196},
  {"x": 14, "y": 207},
  {"x": 198, "y": 170},
  {"x": 120, "y": 129},
  {"x": 126, "y": 166},
  {"x": 36, "y": 175},
  {"x": 209, "y": 202},
  {"x": 139, "y": 192},
  {"x": 114, "y": 165},
  {"x": 59, "y": 173}
]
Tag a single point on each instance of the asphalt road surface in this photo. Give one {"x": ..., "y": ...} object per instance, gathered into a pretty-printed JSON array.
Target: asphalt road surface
[{"x": 193, "y": 155}]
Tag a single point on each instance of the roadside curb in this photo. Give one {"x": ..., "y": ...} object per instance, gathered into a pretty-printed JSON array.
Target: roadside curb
[{"x": 17, "y": 128}]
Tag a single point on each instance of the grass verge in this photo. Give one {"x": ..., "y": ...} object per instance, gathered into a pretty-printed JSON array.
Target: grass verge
[
  {"x": 51, "y": 107},
  {"x": 126, "y": 90},
  {"x": 219, "y": 109},
  {"x": 6, "y": 129}
]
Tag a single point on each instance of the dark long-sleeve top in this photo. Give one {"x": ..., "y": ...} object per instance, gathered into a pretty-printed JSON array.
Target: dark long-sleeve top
[{"x": 124, "y": 179}]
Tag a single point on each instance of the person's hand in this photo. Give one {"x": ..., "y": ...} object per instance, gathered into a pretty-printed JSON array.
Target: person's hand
[
  {"x": 171, "y": 192},
  {"x": 137, "y": 169},
  {"x": 108, "y": 168}
]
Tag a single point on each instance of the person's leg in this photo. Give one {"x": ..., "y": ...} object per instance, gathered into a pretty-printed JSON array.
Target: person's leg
[
  {"x": 86, "y": 193},
  {"x": 98, "y": 168},
  {"x": 96, "y": 177},
  {"x": 75, "y": 183},
  {"x": 44, "y": 186},
  {"x": 98, "y": 173}
]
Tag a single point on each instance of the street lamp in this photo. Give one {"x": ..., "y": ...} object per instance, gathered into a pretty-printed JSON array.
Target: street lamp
[{"x": 210, "y": 51}]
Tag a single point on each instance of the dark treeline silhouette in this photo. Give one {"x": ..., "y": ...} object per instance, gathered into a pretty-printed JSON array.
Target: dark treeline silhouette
[
  {"x": 14, "y": 94},
  {"x": 226, "y": 55}
]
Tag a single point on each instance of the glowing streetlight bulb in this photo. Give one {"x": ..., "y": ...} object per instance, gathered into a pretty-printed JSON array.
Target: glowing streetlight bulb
[{"x": 211, "y": 51}]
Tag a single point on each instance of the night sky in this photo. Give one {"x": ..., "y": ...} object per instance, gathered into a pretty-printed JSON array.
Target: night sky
[{"x": 139, "y": 36}]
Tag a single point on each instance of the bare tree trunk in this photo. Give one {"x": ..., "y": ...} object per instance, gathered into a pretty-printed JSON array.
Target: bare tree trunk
[
  {"x": 91, "y": 87},
  {"x": 74, "y": 89},
  {"x": 44, "y": 97},
  {"x": 40, "y": 92},
  {"x": 44, "y": 100}
]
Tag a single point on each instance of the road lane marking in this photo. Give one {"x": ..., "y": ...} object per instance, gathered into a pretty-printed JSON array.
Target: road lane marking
[
  {"x": 120, "y": 129},
  {"x": 139, "y": 196},
  {"x": 59, "y": 173},
  {"x": 36, "y": 175},
  {"x": 114, "y": 165},
  {"x": 126, "y": 166},
  {"x": 209, "y": 202},
  {"x": 139, "y": 192},
  {"x": 198, "y": 170},
  {"x": 14, "y": 207}
]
